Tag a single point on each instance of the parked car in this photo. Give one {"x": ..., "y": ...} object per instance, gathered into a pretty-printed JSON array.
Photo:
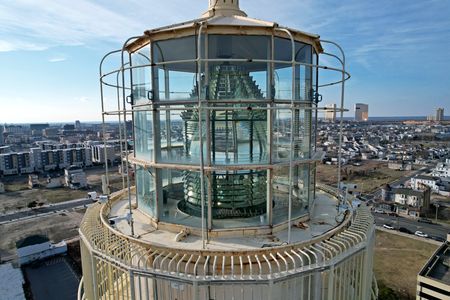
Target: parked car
[
  {"x": 379, "y": 211},
  {"x": 425, "y": 220},
  {"x": 437, "y": 238},
  {"x": 388, "y": 226},
  {"x": 421, "y": 234},
  {"x": 405, "y": 230}
]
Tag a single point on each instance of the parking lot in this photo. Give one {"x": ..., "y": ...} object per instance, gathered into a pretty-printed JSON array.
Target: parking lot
[{"x": 52, "y": 279}]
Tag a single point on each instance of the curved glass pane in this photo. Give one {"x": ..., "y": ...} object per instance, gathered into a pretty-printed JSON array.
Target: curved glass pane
[
  {"x": 145, "y": 191},
  {"x": 175, "y": 49},
  {"x": 141, "y": 79},
  {"x": 300, "y": 188},
  {"x": 299, "y": 120},
  {"x": 173, "y": 83},
  {"x": 143, "y": 131},
  {"x": 239, "y": 137},
  {"x": 292, "y": 84},
  {"x": 234, "y": 131},
  {"x": 239, "y": 46}
]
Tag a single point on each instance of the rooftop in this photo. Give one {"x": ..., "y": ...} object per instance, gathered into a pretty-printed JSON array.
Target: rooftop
[
  {"x": 426, "y": 177},
  {"x": 438, "y": 267},
  {"x": 11, "y": 283},
  {"x": 409, "y": 192},
  {"x": 324, "y": 218}
]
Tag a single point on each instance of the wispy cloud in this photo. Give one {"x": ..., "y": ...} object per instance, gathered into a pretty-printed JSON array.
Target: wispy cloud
[
  {"x": 15, "y": 45},
  {"x": 48, "y": 23},
  {"x": 372, "y": 31},
  {"x": 84, "y": 99},
  {"x": 37, "y": 25},
  {"x": 56, "y": 59}
]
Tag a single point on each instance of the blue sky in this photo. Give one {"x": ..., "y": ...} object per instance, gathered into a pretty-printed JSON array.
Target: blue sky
[{"x": 398, "y": 52}]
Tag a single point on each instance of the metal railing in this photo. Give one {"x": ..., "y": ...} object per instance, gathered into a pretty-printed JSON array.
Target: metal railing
[{"x": 260, "y": 266}]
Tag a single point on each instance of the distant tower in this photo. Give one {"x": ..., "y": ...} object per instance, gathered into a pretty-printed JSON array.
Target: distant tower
[
  {"x": 1, "y": 135},
  {"x": 361, "y": 112},
  {"x": 439, "y": 114},
  {"x": 330, "y": 112},
  {"x": 77, "y": 125},
  {"x": 225, "y": 204}
]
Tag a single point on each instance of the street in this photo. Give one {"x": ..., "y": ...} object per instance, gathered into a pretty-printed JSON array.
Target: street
[
  {"x": 402, "y": 180},
  {"x": 397, "y": 222},
  {"x": 44, "y": 209}
]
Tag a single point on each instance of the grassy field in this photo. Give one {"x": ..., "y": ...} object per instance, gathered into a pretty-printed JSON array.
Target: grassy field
[
  {"x": 398, "y": 260},
  {"x": 57, "y": 227},
  {"x": 15, "y": 187},
  {"x": 369, "y": 176}
]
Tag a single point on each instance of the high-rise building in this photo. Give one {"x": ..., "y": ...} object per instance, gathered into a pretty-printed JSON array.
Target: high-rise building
[
  {"x": 440, "y": 114},
  {"x": 2, "y": 141},
  {"x": 39, "y": 127},
  {"x": 225, "y": 204},
  {"x": 361, "y": 112},
  {"x": 330, "y": 112}
]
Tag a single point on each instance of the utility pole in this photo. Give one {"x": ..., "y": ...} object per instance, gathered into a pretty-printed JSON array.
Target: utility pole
[
  {"x": 437, "y": 208},
  {"x": 398, "y": 225}
]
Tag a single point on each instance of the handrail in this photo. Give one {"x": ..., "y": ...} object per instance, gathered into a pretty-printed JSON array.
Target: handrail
[
  {"x": 80, "y": 293},
  {"x": 95, "y": 231}
]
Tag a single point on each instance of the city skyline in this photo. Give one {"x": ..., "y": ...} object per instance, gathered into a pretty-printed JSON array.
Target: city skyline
[{"x": 50, "y": 51}]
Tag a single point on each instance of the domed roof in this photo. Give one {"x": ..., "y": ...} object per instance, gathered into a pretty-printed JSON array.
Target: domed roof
[{"x": 220, "y": 16}]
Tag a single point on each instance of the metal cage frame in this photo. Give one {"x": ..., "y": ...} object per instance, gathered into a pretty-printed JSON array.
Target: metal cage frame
[{"x": 201, "y": 105}]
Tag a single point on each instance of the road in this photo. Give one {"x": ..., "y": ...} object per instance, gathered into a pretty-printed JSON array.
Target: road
[
  {"x": 44, "y": 209},
  {"x": 402, "y": 180},
  {"x": 430, "y": 229}
]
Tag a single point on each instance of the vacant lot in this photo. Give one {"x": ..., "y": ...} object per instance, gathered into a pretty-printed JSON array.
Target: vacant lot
[
  {"x": 19, "y": 196},
  {"x": 398, "y": 260},
  {"x": 56, "y": 226},
  {"x": 369, "y": 176}
]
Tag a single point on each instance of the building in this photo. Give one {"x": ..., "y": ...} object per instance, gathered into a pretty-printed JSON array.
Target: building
[
  {"x": 430, "y": 181},
  {"x": 80, "y": 157},
  {"x": 9, "y": 164},
  {"x": 37, "y": 247},
  {"x": 411, "y": 203},
  {"x": 442, "y": 169},
  {"x": 440, "y": 114},
  {"x": 38, "y": 160},
  {"x": 68, "y": 127},
  {"x": 102, "y": 153},
  {"x": 25, "y": 162},
  {"x": 2, "y": 139},
  {"x": 16, "y": 129},
  {"x": 37, "y": 130},
  {"x": 406, "y": 202},
  {"x": 51, "y": 132},
  {"x": 433, "y": 281},
  {"x": 361, "y": 112},
  {"x": 33, "y": 181},
  {"x": 225, "y": 204},
  {"x": 399, "y": 165},
  {"x": 39, "y": 127},
  {"x": 330, "y": 112},
  {"x": 11, "y": 285},
  {"x": 75, "y": 178}
]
